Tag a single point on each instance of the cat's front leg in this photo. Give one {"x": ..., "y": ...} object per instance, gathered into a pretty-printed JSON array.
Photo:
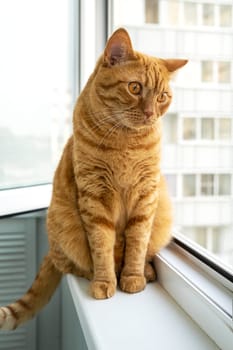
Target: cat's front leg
[
  {"x": 137, "y": 235},
  {"x": 101, "y": 240},
  {"x": 100, "y": 230}
]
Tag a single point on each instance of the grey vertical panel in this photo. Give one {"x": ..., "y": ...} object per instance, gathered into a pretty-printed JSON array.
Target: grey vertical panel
[
  {"x": 23, "y": 243},
  {"x": 17, "y": 269},
  {"x": 48, "y": 320}
]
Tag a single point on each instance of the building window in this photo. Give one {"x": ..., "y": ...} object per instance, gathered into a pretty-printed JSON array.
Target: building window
[
  {"x": 224, "y": 72},
  {"x": 189, "y": 185},
  {"x": 207, "y": 128},
  {"x": 195, "y": 13},
  {"x": 172, "y": 184},
  {"x": 216, "y": 72},
  {"x": 225, "y": 129},
  {"x": 224, "y": 187},
  {"x": 173, "y": 12},
  {"x": 208, "y": 14},
  {"x": 152, "y": 11},
  {"x": 189, "y": 128},
  {"x": 207, "y": 184},
  {"x": 170, "y": 128},
  {"x": 190, "y": 13},
  {"x": 208, "y": 237},
  {"x": 225, "y": 15},
  {"x": 201, "y": 236},
  {"x": 207, "y": 69}
]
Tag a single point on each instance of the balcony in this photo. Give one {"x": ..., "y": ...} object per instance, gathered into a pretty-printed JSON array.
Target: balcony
[
  {"x": 197, "y": 157},
  {"x": 204, "y": 211}
]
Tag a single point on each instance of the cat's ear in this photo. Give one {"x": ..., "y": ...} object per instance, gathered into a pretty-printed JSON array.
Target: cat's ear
[
  {"x": 173, "y": 64},
  {"x": 119, "y": 48}
]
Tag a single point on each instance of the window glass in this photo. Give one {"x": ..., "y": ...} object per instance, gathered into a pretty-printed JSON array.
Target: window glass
[
  {"x": 224, "y": 184},
  {"x": 201, "y": 236},
  {"x": 173, "y": 12},
  {"x": 207, "y": 128},
  {"x": 203, "y": 108},
  {"x": 152, "y": 11},
  {"x": 224, "y": 72},
  {"x": 207, "y": 71},
  {"x": 225, "y": 15},
  {"x": 189, "y": 128},
  {"x": 170, "y": 128},
  {"x": 214, "y": 234},
  {"x": 189, "y": 185},
  {"x": 35, "y": 89},
  {"x": 207, "y": 236},
  {"x": 208, "y": 14},
  {"x": 190, "y": 13},
  {"x": 225, "y": 131},
  {"x": 207, "y": 184},
  {"x": 172, "y": 184}
]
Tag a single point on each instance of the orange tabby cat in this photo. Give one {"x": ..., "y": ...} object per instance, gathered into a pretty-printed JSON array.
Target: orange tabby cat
[{"x": 110, "y": 211}]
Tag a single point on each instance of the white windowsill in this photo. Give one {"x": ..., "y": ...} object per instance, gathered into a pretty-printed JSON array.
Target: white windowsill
[
  {"x": 24, "y": 199},
  {"x": 147, "y": 320}
]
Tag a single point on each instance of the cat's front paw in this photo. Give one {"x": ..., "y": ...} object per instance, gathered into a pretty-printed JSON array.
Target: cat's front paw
[
  {"x": 132, "y": 284},
  {"x": 103, "y": 289}
]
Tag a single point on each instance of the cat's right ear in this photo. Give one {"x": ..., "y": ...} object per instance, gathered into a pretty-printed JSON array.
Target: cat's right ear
[{"x": 119, "y": 48}]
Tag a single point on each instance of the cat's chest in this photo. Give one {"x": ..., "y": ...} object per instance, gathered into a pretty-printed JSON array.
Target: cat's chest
[
  {"x": 132, "y": 176},
  {"x": 129, "y": 168},
  {"x": 123, "y": 165}
]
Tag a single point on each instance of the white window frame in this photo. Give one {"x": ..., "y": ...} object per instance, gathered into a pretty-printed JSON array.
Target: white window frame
[
  {"x": 202, "y": 292},
  {"x": 205, "y": 294},
  {"x": 90, "y": 31}
]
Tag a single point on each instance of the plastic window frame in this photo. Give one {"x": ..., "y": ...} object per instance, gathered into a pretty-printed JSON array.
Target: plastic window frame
[{"x": 185, "y": 270}]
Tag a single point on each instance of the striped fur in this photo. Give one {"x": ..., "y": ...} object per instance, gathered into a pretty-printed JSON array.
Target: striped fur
[
  {"x": 37, "y": 296},
  {"x": 110, "y": 211}
]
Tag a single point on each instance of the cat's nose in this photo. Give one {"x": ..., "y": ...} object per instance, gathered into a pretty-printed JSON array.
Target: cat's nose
[{"x": 148, "y": 113}]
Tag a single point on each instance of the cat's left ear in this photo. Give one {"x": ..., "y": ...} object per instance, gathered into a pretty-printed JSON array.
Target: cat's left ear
[
  {"x": 173, "y": 64},
  {"x": 119, "y": 48}
]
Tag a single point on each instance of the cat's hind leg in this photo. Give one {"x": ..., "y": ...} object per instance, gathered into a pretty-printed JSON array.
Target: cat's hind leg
[
  {"x": 149, "y": 272},
  {"x": 68, "y": 242},
  {"x": 65, "y": 265}
]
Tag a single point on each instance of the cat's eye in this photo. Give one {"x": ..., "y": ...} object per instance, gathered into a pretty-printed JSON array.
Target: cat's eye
[
  {"x": 162, "y": 97},
  {"x": 135, "y": 88}
]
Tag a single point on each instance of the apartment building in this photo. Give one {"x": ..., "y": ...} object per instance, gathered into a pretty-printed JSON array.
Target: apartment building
[{"x": 198, "y": 130}]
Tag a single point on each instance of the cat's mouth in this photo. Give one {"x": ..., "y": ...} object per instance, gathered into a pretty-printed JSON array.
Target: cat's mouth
[{"x": 142, "y": 121}]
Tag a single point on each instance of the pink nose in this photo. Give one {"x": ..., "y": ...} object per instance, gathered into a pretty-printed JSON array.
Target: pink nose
[{"x": 148, "y": 113}]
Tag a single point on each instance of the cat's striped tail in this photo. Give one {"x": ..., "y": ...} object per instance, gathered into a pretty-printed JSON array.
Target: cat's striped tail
[{"x": 43, "y": 287}]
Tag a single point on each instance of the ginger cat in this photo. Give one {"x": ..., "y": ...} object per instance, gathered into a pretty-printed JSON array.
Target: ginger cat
[{"x": 110, "y": 211}]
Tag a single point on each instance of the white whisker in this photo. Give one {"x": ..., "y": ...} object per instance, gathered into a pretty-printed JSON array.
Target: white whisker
[{"x": 110, "y": 132}]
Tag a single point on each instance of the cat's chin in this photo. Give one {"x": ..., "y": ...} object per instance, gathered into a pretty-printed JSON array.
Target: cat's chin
[
  {"x": 139, "y": 129},
  {"x": 142, "y": 125}
]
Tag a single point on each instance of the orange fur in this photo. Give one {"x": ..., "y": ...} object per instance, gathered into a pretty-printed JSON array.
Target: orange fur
[{"x": 110, "y": 211}]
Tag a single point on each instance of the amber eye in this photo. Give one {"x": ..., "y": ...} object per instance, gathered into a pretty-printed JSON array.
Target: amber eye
[
  {"x": 135, "y": 88},
  {"x": 162, "y": 97}
]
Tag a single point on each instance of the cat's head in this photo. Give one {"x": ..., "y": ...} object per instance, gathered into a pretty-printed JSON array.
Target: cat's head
[{"x": 133, "y": 86}]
